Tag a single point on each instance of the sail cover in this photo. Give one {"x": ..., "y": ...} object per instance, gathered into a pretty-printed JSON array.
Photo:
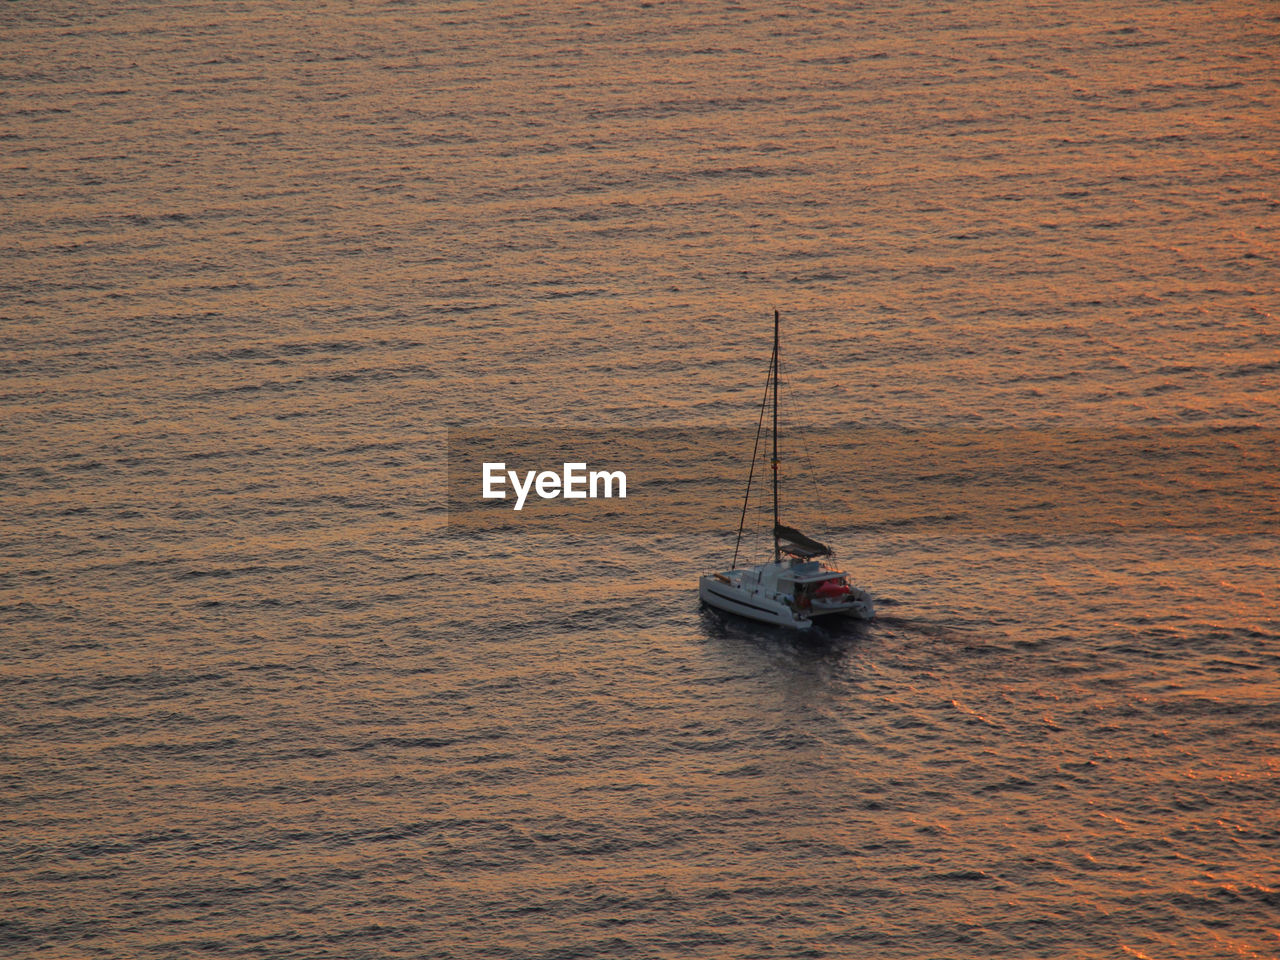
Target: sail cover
[{"x": 792, "y": 541}]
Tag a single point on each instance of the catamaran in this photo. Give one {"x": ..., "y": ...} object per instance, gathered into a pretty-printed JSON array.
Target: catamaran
[{"x": 800, "y": 584}]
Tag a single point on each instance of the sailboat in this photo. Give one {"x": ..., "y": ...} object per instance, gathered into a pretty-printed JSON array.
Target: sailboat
[{"x": 799, "y": 584}]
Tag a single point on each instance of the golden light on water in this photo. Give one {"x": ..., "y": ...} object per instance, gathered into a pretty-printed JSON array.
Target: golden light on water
[{"x": 277, "y": 682}]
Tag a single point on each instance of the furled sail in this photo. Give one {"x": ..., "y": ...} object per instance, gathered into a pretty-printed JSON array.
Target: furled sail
[{"x": 792, "y": 541}]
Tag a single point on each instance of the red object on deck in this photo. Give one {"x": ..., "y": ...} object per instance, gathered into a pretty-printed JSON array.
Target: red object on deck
[{"x": 830, "y": 589}]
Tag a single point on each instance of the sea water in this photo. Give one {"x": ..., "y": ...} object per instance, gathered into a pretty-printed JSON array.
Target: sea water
[{"x": 272, "y": 273}]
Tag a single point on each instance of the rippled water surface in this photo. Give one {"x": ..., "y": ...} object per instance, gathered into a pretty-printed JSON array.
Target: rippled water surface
[{"x": 273, "y": 688}]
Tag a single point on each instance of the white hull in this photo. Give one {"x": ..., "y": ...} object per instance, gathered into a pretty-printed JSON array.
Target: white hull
[
  {"x": 727, "y": 597},
  {"x": 767, "y": 593}
]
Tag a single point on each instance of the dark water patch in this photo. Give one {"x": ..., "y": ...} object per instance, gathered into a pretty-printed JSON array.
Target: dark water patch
[
  {"x": 155, "y": 680},
  {"x": 407, "y": 743},
  {"x": 219, "y": 573},
  {"x": 1086, "y": 483},
  {"x": 194, "y": 750}
]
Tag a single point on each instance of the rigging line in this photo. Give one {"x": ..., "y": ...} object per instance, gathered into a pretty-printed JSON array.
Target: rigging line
[
  {"x": 762, "y": 528},
  {"x": 759, "y": 427}
]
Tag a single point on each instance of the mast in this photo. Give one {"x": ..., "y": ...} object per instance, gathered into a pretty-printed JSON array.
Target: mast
[{"x": 777, "y": 555}]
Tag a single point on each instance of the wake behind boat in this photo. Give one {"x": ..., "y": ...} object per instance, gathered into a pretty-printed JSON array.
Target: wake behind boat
[{"x": 799, "y": 584}]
